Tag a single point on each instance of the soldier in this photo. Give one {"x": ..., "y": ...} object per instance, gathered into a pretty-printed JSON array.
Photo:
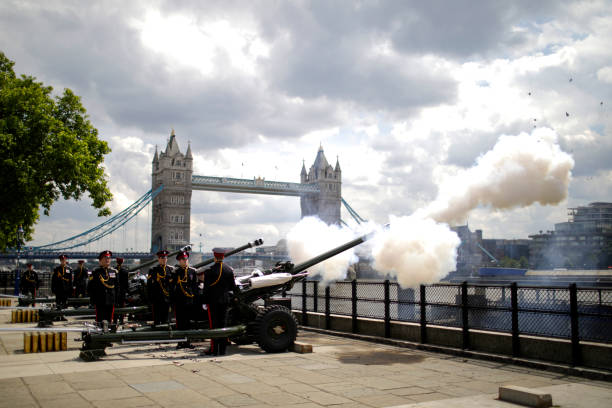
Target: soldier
[
  {"x": 158, "y": 287},
  {"x": 81, "y": 280},
  {"x": 29, "y": 282},
  {"x": 103, "y": 287},
  {"x": 183, "y": 294},
  {"x": 123, "y": 288},
  {"x": 61, "y": 282},
  {"x": 218, "y": 283}
]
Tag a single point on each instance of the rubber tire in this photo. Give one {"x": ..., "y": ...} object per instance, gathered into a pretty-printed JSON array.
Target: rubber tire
[
  {"x": 271, "y": 318},
  {"x": 248, "y": 318}
]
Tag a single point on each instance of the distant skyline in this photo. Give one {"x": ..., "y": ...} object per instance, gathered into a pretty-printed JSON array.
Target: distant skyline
[{"x": 405, "y": 94}]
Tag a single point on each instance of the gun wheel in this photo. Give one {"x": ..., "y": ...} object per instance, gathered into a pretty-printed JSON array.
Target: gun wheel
[
  {"x": 275, "y": 328},
  {"x": 248, "y": 314}
]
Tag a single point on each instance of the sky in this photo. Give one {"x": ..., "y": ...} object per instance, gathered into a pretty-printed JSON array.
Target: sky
[{"x": 404, "y": 94}]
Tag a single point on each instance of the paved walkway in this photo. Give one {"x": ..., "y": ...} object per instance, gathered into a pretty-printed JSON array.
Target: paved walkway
[{"x": 339, "y": 373}]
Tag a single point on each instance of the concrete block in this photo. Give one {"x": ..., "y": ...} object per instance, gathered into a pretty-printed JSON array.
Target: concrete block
[
  {"x": 301, "y": 348},
  {"x": 525, "y": 396}
]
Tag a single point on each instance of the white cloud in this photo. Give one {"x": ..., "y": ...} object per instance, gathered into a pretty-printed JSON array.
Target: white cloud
[{"x": 605, "y": 75}]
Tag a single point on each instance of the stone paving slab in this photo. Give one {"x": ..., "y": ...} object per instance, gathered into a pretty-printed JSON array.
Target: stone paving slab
[{"x": 340, "y": 372}]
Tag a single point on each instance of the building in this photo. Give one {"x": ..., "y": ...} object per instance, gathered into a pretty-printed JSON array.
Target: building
[
  {"x": 470, "y": 256},
  {"x": 507, "y": 248},
  {"x": 583, "y": 242},
  {"x": 172, "y": 206},
  {"x": 325, "y": 204}
]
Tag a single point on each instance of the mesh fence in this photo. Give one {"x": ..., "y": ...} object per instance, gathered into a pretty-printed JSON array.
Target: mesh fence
[
  {"x": 595, "y": 314},
  {"x": 546, "y": 299},
  {"x": 544, "y": 324},
  {"x": 404, "y": 304}
]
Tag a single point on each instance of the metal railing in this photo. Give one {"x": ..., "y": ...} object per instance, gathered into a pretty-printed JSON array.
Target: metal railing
[
  {"x": 575, "y": 314},
  {"x": 7, "y": 283}
]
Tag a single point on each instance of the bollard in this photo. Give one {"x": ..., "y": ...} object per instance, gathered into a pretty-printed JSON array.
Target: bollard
[
  {"x": 27, "y": 340},
  {"x": 35, "y": 337},
  {"x": 43, "y": 342},
  {"x": 56, "y": 341},
  {"x": 28, "y": 315},
  {"x": 64, "y": 336},
  {"x": 13, "y": 316},
  {"x": 20, "y": 316},
  {"x": 49, "y": 337}
]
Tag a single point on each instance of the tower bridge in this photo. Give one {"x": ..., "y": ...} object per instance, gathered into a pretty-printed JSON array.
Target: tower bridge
[{"x": 319, "y": 191}]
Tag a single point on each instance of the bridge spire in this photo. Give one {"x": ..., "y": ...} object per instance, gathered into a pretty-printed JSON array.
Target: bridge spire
[{"x": 188, "y": 153}]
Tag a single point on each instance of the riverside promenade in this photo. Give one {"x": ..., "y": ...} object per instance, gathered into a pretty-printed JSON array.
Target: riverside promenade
[{"x": 340, "y": 372}]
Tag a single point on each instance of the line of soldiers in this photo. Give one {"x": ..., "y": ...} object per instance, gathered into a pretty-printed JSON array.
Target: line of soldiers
[
  {"x": 106, "y": 286},
  {"x": 191, "y": 294},
  {"x": 197, "y": 296}
]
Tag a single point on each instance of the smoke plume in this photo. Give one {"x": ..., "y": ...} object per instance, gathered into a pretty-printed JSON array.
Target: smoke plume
[
  {"x": 421, "y": 248},
  {"x": 311, "y": 237},
  {"x": 415, "y": 250},
  {"x": 519, "y": 171}
]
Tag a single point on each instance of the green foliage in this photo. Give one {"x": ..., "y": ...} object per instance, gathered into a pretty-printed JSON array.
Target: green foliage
[
  {"x": 49, "y": 150},
  {"x": 507, "y": 262}
]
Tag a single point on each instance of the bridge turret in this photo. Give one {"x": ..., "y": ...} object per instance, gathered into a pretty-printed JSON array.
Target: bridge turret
[
  {"x": 325, "y": 204},
  {"x": 172, "y": 207}
]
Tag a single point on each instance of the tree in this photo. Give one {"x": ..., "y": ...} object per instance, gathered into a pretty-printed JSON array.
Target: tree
[{"x": 48, "y": 149}]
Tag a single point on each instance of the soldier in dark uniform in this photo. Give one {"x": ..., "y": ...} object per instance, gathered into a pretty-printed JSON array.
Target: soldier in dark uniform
[
  {"x": 218, "y": 283},
  {"x": 103, "y": 288},
  {"x": 183, "y": 294},
  {"x": 123, "y": 281},
  {"x": 29, "y": 282},
  {"x": 80, "y": 280},
  {"x": 158, "y": 288},
  {"x": 61, "y": 282}
]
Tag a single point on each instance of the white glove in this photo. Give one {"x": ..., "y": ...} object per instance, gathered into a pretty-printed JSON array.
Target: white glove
[{"x": 204, "y": 307}]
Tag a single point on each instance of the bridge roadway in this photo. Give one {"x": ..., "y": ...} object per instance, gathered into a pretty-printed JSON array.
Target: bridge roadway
[{"x": 341, "y": 372}]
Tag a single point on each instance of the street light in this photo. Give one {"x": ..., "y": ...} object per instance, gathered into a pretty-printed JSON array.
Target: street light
[{"x": 19, "y": 239}]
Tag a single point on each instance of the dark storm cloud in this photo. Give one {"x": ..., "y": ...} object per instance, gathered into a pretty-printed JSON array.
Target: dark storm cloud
[
  {"x": 99, "y": 55},
  {"x": 317, "y": 54}
]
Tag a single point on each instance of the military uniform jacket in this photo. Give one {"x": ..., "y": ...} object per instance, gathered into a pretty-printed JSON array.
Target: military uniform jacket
[
  {"x": 159, "y": 284},
  {"x": 123, "y": 284},
  {"x": 218, "y": 282},
  {"x": 61, "y": 281},
  {"x": 81, "y": 277},
  {"x": 29, "y": 280},
  {"x": 103, "y": 286},
  {"x": 184, "y": 285}
]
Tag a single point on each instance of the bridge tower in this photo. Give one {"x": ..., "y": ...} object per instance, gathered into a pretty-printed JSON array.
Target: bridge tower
[
  {"x": 171, "y": 207},
  {"x": 326, "y": 204}
]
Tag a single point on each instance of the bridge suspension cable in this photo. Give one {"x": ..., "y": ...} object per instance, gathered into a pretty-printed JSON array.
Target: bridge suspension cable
[
  {"x": 103, "y": 229},
  {"x": 358, "y": 219}
]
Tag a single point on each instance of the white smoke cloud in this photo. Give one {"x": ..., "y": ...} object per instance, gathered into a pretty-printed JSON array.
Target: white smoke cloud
[
  {"x": 415, "y": 250},
  {"x": 421, "y": 248},
  {"x": 311, "y": 237},
  {"x": 517, "y": 172}
]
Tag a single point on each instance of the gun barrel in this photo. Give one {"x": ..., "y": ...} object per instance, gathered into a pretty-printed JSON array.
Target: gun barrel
[
  {"x": 152, "y": 261},
  {"x": 208, "y": 261},
  {"x": 326, "y": 255}
]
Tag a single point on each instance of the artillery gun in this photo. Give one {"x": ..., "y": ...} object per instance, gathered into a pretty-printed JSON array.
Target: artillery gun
[{"x": 274, "y": 328}]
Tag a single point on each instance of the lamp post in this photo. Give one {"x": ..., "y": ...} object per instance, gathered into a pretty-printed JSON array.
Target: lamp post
[{"x": 17, "y": 277}]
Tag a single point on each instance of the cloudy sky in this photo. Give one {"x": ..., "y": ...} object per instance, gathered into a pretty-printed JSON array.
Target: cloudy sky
[{"x": 406, "y": 94}]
